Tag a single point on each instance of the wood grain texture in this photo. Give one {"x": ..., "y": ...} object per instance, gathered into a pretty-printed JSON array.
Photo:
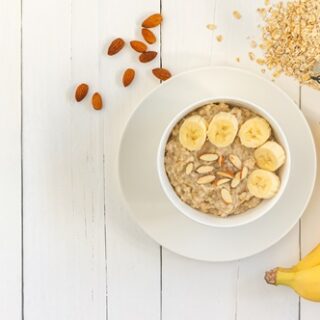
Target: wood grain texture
[
  {"x": 10, "y": 161},
  {"x": 64, "y": 260},
  {"x": 84, "y": 257},
  {"x": 193, "y": 289},
  {"x": 310, "y": 222},
  {"x": 133, "y": 259}
]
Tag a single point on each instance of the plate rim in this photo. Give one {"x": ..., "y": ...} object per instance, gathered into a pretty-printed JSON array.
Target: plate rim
[{"x": 248, "y": 73}]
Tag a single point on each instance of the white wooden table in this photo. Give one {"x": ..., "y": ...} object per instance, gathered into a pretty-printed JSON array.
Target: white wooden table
[{"x": 68, "y": 248}]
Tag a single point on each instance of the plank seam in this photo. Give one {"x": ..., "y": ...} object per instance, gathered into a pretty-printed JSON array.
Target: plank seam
[{"x": 21, "y": 160}]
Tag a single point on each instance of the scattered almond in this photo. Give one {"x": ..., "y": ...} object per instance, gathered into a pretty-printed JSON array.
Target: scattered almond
[
  {"x": 238, "y": 59},
  {"x": 226, "y": 174},
  {"x": 96, "y": 101},
  {"x": 115, "y": 46},
  {"x": 226, "y": 196},
  {"x": 152, "y": 21},
  {"x": 209, "y": 157},
  {"x": 161, "y": 73},
  {"x": 81, "y": 91},
  {"x": 222, "y": 181},
  {"x": 147, "y": 56},
  {"x": 221, "y": 161},
  {"x": 148, "y": 35},
  {"x": 205, "y": 169},
  {"x": 244, "y": 173},
  {"x": 235, "y": 160},
  {"x": 128, "y": 77},
  {"x": 206, "y": 179},
  {"x": 189, "y": 168},
  {"x": 138, "y": 46}
]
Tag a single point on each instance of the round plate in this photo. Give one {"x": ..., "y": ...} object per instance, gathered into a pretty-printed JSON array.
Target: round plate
[{"x": 140, "y": 183}]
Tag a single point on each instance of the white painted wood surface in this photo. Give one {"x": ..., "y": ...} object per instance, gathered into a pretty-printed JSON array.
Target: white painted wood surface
[{"x": 79, "y": 255}]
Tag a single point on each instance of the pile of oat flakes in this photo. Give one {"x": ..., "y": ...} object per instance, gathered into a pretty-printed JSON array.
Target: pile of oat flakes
[{"x": 291, "y": 39}]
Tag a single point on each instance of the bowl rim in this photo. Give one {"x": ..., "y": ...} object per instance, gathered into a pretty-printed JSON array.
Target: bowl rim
[{"x": 234, "y": 220}]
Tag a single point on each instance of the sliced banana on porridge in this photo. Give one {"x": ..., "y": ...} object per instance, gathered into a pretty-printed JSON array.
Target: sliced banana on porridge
[
  {"x": 263, "y": 184},
  {"x": 193, "y": 133},
  {"x": 223, "y": 129},
  {"x": 270, "y": 156},
  {"x": 254, "y": 132}
]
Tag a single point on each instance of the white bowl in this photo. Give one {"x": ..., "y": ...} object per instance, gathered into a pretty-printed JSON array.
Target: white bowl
[{"x": 234, "y": 220}]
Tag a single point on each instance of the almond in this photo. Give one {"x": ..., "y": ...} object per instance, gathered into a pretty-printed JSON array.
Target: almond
[
  {"x": 209, "y": 157},
  {"x": 244, "y": 173},
  {"x": 235, "y": 160},
  {"x": 226, "y": 174},
  {"x": 236, "y": 180},
  {"x": 189, "y": 168},
  {"x": 147, "y": 56},
  {"x": 138, "y": 46},
  {"x": 206, "y": 179},
  {"x": 161, "y": 73},
  {"x": 152, "y": 21},
  {"x": 222, "y": 181},
  {"x": 115, "y": 46},
  {"x": 205, "y": 169},
  {"x": 128, "y": 77},
  {"x": 226, "y": 196},
  {"x": 148, "y": 35},
  {"x": 221, "y": 161},
  {"x": 96, "y": 101},
  {"x": 81, "y": 91}
]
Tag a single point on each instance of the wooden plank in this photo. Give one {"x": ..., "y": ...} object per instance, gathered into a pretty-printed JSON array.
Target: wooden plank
[
  {"x": 193, "y": 289},
  {"x": 64, "y": 247},
  {"x": 254, "y": 296},
  {"x": 10, "y": 161},
  {"x": 311, "y": 219},
  {"x": 133, "y": 259}
]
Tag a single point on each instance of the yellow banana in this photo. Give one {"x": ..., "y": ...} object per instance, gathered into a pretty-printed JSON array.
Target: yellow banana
[
  {"x": 305, "y": 282},
  {"x": 311, "y": 260}
]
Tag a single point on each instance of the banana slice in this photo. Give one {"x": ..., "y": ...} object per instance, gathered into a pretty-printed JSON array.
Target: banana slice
[
  {"x": 270, "y": 156},
  {"x": 254, "y": 132},
  {"x": 263, "y": 184},
  {"x": 193, "y": 133},
  {"x": 223, "y": 129}
]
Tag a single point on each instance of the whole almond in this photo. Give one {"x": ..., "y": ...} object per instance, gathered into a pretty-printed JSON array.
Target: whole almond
[
  {"x": 96, "y": 101},
  {"x": 152, "y": 21},
  {"x": 81, "y": 91},
  {"x": 128, "y": 77},
  {"x": 147, "y": 56},
  {"x": 161, "y": 73},
  {"x": 138, "y": 46},
  {"x": 148, "y": 35},
  {"x": 115, "y": 46}
]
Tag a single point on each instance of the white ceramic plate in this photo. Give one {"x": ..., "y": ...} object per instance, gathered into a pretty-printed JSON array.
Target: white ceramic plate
[{"x": 140, "y": 183}]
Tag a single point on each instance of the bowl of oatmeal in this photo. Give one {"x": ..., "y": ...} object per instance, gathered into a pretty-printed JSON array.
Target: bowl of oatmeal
[{"x": 223, "y": 162}]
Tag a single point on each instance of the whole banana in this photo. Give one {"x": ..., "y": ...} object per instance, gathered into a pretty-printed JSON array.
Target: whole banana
[{"x": 304, "y": 277}]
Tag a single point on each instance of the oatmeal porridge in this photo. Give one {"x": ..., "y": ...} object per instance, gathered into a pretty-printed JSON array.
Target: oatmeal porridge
[{"x": 223, "y": 159}]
